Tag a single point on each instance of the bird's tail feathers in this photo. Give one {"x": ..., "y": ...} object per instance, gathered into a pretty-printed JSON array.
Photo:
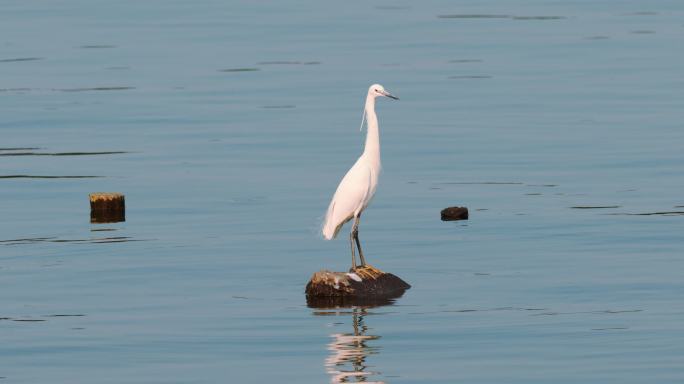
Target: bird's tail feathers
[
  {"x": 329, "y": 229},
  {"x": 330, "y": 232}
]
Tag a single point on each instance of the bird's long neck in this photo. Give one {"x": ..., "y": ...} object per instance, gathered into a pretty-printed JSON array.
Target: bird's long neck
[{"x": 372, "y": 148}]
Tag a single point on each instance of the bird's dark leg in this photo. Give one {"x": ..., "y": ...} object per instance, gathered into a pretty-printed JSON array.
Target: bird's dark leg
[
  {"x": 355, "y": 233},
  {"x": 351, "y": 244}
]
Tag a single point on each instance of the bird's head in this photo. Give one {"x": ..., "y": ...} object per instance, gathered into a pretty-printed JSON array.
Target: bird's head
[{"x": 378, "y": 90}]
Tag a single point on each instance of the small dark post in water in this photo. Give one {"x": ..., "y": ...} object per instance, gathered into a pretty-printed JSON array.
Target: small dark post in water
[
  {"x": 107, "y": 207},
  {"x": 454, "y": 213},
  {"x": 361, "y": 282}
]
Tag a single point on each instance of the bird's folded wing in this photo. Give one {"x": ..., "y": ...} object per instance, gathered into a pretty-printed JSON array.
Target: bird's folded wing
[{"x": 350, "y": 197}]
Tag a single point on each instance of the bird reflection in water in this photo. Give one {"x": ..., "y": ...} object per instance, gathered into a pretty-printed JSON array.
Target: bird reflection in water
[
  {"x": 348, "y": 352},
  {"x": 347, "y": 362}
]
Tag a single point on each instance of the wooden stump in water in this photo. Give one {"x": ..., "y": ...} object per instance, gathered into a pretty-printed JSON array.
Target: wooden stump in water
[
  {"x": 107, "y": 207},
  {"x": 361, "y": 282}
]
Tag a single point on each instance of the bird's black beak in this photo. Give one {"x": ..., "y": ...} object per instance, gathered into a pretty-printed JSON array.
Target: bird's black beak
[{"x": 391, "y": 96}]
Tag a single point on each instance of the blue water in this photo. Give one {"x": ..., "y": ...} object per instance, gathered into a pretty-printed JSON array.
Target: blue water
[{"x": 238, "y": 120}]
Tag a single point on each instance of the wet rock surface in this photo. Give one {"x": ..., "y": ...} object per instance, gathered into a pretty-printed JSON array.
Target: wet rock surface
[
  {"x": 454, "y": 213},
  {"x": 365, "y": 281}
]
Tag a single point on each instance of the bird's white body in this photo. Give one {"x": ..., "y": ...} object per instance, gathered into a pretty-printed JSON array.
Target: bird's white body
[
  {"x": 358, "y": 186},
  {"x": 353, "y": 195}
]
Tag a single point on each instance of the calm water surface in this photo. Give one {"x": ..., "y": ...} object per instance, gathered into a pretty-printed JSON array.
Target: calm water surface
[{"x": 231, "y": 124}]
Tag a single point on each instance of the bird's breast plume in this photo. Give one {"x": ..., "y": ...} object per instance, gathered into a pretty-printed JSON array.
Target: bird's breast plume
[{"x": 363, "y": 118}]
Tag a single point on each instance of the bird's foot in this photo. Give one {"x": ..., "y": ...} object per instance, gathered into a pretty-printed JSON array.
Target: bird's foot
[{"x": 368, "y": 271}]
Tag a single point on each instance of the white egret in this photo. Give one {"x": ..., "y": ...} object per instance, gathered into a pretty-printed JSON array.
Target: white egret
[{"x": 359, "y": 184}]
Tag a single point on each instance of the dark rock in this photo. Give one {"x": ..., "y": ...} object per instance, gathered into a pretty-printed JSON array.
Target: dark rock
[
  {"x": 454, "y": 213},
  {"x": 361, "y": 282},
  {"x": 107, "y": 207}
]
